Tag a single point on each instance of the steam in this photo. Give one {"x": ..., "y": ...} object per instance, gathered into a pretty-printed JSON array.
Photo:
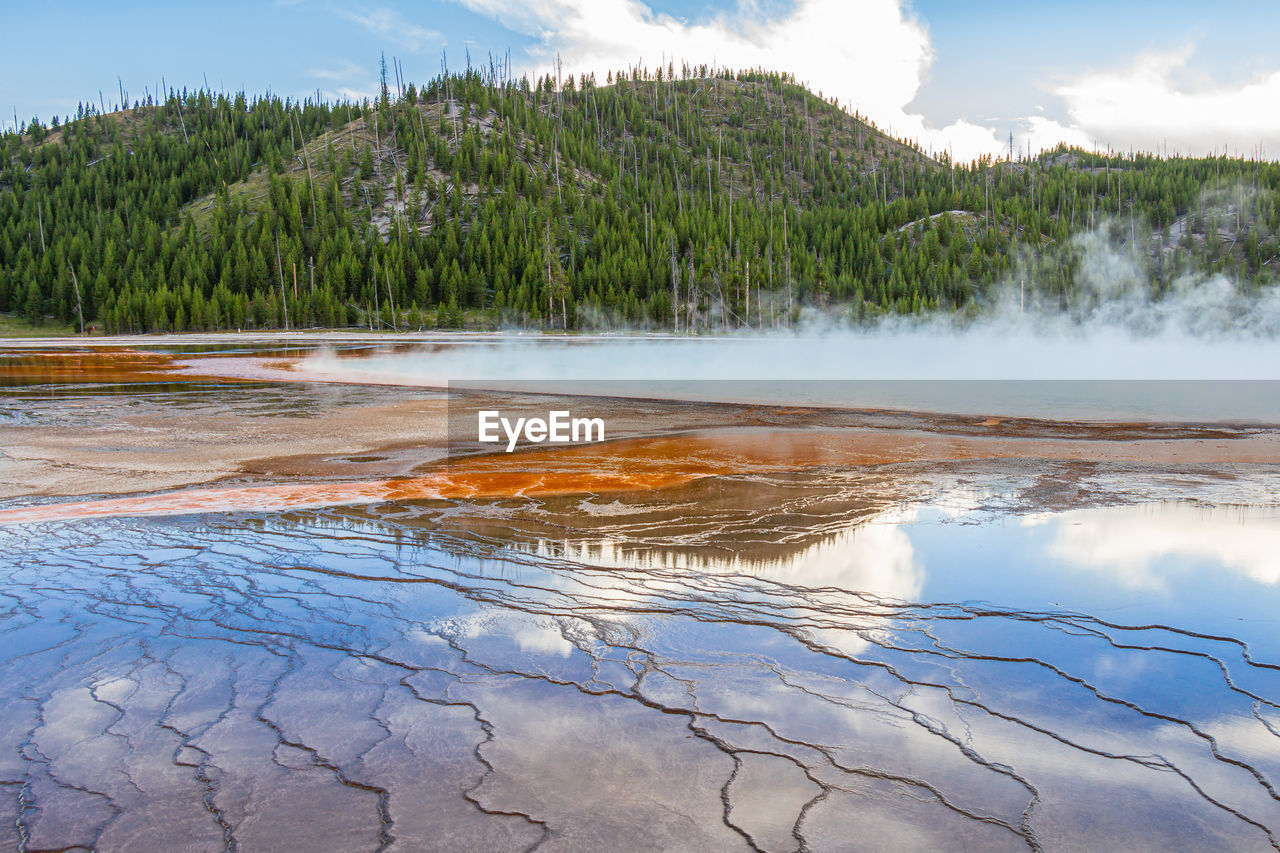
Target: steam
[
  {"x": 1113, "y": 324},
  {"x": 1128, "y": 277},
  {"x": 983, "y": 351}
]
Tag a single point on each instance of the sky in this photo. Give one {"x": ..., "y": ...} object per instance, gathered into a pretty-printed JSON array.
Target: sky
[{"x": 1171, "y": 76}]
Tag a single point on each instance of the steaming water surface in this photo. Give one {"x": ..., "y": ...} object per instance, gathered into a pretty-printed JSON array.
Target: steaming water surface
[
  {"x": 1103, "y": 375},
  {"x": 933, "y": 352},
  {"x": 977, "y": 653}
]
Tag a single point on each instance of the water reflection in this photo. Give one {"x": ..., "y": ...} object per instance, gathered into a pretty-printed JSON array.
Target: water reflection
[
  {"x": 1140, "y": 546},
  {"x": 891, "y": 632},
  {"x": 875, "y": 557},
  {"x": 782, "y": 668}
]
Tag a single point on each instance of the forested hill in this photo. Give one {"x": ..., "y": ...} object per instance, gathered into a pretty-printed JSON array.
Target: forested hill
[{"x": 673, "y": 198}]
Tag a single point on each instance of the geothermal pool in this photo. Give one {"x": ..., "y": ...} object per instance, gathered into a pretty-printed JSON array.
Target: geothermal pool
[{"x": 244, "y": 610}]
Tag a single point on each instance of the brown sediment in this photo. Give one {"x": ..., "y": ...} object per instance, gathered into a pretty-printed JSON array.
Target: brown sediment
[
  {"x": 655, "y": 463},
  {"x": 89, "y": 366},
  {"x": 110, "y": 364}
]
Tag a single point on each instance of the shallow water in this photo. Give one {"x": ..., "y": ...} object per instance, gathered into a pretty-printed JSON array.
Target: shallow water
[
  {"x": 957, "y": 653},
  {"x": 879, "y": 662}
]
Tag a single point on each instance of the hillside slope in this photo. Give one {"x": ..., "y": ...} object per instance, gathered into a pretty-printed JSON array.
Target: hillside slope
[{"x": 674, "y": 199}]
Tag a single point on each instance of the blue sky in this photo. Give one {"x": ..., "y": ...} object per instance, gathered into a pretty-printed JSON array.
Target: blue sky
[
  {"x": 1000, "y": 57},
  {"x": 1189, "y": 76}
]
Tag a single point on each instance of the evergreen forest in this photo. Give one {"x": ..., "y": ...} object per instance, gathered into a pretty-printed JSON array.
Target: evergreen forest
[{"x": 680, "y": 198}]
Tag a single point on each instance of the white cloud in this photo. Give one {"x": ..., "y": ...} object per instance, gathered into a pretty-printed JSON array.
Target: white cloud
[
  {"x": 869, "y": 54},
  {"x": 346, "y": 81},
  {"x": 1138, "y": 545},
  {"x": 1142, "y": 106},
  {"x": 387, "y": 24},
  {"x": 1045, "y": 133},
  {"x": 346, "y": 71},
  {"x": 348, "y": 93},
  {"x": 874, "y": 56},
  {"x": 541, "y": 638}
]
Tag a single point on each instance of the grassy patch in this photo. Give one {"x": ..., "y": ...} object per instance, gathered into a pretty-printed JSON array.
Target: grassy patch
[{"x": 12, "y": 326}]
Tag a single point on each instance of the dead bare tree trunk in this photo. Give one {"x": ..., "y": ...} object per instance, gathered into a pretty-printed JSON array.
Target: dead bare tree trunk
[
  {"x": 786, "y": 248},
  {"x": 386, "y": 274},
  {"x": 76, "y": 284},
  {"x": 310, "y": 181},
  {"x": 284, "y": 297},
  {"x": 551, "y": 307},
  {"x": 675, "y": 286}
]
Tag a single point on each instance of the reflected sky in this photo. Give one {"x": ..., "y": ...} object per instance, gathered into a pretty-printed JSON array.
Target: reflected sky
[
  {"x": 1210, "y": 569},
  {"x": 1216, "y": 567},
  {"x": 1141, "y": 546},
  {"x": 902, "y": 658},
  {"x": 1045, "y": 647}
]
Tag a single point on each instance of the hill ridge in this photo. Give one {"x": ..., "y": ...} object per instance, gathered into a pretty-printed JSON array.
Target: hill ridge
[{"x": 693, "y": 204}]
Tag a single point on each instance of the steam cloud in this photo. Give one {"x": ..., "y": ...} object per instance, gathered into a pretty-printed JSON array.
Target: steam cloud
[{"x": 1111, "y": 327}]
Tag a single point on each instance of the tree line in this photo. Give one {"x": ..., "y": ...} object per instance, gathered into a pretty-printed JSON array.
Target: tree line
[{"x": 687, "y": 198}]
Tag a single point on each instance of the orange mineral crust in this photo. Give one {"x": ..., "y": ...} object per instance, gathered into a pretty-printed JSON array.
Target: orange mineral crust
[
  {"x": 99, "y": 366},
  {"x": 655, "y": 463},
  {"x": 106, "y": 365}
]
